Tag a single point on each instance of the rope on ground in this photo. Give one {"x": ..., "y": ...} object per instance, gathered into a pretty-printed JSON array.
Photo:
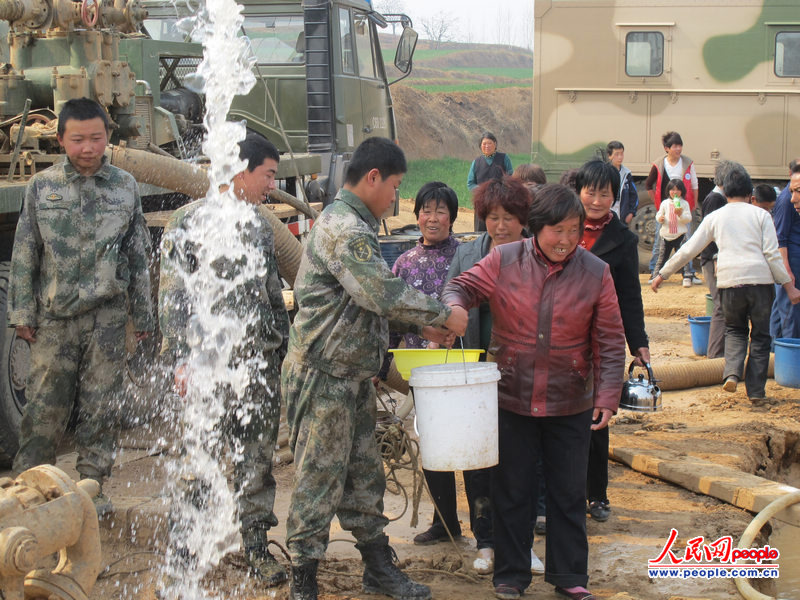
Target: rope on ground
[
  {"x": 107, "y": 573},
  {"x": 466, "y": 576},
  {"x": 399, "y": 453},
  {"x": 394, "y": 444},
  {"x": 281, "y": 548}
]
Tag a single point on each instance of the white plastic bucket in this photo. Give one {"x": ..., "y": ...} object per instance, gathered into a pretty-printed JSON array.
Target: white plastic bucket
[{"x": 456, "y": 415}]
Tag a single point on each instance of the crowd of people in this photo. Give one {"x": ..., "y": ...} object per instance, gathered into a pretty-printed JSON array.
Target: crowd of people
[{"x": 550, "y": 290}]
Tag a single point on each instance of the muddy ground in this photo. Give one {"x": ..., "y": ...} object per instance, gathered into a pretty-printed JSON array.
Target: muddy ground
[{"x": 705, "y": 422}]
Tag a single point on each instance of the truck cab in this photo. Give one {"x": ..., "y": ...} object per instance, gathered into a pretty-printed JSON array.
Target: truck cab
[{"x": 321, "y": 86}]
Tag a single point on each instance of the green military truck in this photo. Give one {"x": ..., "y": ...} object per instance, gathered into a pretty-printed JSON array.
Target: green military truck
[
  {"x": 725, "y": 75},
  {"x": 322, "y": 88}
]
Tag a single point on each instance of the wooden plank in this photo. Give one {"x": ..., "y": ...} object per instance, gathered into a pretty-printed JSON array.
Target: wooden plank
[{"x": 735, "y": 487}]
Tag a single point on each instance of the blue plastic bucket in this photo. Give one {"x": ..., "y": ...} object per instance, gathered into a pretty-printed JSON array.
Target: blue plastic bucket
[
  {"x": 698, "y": 327},
  {"x": 787, "y": 362}
]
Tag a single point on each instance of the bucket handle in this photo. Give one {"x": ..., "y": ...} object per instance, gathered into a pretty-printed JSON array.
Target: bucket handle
[{"x": 463, "y": 358}]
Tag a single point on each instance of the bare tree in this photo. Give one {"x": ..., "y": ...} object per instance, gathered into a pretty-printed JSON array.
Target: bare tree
[
  {"x": 504, "y": 27},
  {"x": 390, "y": 7},
  {"x": 438, "y": 28},
  {"x": 527, "y": 25}
]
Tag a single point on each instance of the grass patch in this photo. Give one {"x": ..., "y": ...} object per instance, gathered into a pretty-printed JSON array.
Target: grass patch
[
  {"x": 510, "y": 72},
  {"x": 419, "y": 54},
  {"x": 463, "y": 87},
  {"x": 452, "y": 171}
]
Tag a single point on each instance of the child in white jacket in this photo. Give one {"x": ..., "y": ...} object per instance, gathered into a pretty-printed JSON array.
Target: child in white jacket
[{"x": 674, "y": 214}]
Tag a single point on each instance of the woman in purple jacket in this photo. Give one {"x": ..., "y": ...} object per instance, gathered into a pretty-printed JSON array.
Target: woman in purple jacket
[{"x": 558, "y": 341}]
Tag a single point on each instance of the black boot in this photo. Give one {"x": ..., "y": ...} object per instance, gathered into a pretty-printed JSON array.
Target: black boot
[
  {"x": 264, "y": 566},
  {"x": 304, "y": 582},
  {"x": 381, "y": 575}
]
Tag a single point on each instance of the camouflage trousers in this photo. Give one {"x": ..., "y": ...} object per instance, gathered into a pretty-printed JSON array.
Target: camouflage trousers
[
  {"x": 76, "y": 362},
  {"x": 338, "y": 470},
  {"x": 255, "y": 437}
]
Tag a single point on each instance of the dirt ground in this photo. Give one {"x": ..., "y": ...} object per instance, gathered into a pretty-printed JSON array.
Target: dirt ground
[
  {"x": 455, "y": 120},
  {"x": 703, "y": 422}
]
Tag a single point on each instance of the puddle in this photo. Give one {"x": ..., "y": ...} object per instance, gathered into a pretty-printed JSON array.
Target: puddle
[{"x": 787, "y": 539}]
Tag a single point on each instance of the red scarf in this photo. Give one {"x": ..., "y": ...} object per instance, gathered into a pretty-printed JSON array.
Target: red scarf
[
  {"x": 673, "y": 218},
  {"x": 593, "y": 229}
]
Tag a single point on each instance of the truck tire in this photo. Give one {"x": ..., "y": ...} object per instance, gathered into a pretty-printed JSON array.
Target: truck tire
[
  {"x": 14, "y": 366},
  {"x": 644, "y": 226}
]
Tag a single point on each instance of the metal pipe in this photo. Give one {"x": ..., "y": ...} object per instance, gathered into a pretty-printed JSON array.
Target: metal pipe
[{"x": 287, "y": 198}]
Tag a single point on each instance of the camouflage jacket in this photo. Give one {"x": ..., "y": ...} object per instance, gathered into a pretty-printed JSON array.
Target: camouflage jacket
[
  {"x": 346, "y": 294},
  {"x": 80, "y": 241},
  {"x": 261, "y": 297}
]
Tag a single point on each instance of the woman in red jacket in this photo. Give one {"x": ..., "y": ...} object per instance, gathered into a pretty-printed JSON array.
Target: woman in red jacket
[{"x": 558, "y": 341}]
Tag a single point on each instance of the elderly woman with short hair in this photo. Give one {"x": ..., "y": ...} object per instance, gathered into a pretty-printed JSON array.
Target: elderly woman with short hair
[
  {"x": 491, "y": 164},
  {"x": 558, "y": 341}
]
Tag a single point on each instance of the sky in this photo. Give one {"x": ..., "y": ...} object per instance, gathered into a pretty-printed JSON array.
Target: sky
[{"x": 477, "y": 21}]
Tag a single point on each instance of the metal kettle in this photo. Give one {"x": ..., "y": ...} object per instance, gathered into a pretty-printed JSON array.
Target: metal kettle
[{"x": 640, "y": 395}]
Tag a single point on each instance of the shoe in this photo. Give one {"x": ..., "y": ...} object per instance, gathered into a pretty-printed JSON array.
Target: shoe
[
  {"x": 758, "y": 401},
  {"x": 541, "y": 526},
  {"x": 575, "y": 595},
  {"x": 730, "y": 383},
  {"x": 304, "y": 582},
  {"x": 537, "y": 567},
  {"x": 687, "y": 282},
  {"x": 599, "y": 510},
  {"x": 505, "y": 591},
  {"x": 264, "y": 566},
  {"x": 382, "y": 576},
  {"x": 437, "y": 533},
  {"x": 102, "y": 505},
  {"x": 696, "y": 280},
  {"x": 484, "y": 561}
]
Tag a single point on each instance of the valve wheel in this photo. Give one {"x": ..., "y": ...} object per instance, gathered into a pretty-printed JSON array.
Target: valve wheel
[{"x": 90, "y": 20}]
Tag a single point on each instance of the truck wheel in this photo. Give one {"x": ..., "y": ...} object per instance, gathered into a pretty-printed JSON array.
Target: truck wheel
[
  {"x": 15, "y": 355},
  {"x": 644, "y": 226}
]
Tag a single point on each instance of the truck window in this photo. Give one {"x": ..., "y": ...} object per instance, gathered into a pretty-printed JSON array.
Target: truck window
[
  {"x": 276, "y": 39},
  {"x": 346, "y": 39},
  {"x": 644, "y": 54},
  {"x": 165, "y": 30},
  {"x": 366, "y": 63},
  {"x": 787, "y": 54}
]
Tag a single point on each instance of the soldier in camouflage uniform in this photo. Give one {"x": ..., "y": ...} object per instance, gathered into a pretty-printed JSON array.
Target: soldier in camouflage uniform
[
  {"x": 346, "y": 294},
  {"x": 262, "y": 350},
  {"x": 78, "y": 268}
]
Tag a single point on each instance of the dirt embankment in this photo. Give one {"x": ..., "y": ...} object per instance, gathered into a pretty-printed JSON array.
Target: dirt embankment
[{"x": 450, "y": 124}]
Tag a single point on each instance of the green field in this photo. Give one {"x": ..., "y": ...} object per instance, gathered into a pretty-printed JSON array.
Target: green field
[
  {"x": 444, "y": 70},
  {"x": 463, "y": 87},
  {"x": 452, "y": 171},
  {"x": 511, "y": 72}
]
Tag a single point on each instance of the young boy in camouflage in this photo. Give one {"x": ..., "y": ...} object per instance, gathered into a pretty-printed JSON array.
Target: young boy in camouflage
[
  {"x": 346, "y": 294},
  {"x": 262, "y": 350},
  {"x": 78, "y": 268}
]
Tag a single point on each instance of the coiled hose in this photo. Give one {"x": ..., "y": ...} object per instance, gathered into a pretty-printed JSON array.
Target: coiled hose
[{"x": 743, "y": 585}]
